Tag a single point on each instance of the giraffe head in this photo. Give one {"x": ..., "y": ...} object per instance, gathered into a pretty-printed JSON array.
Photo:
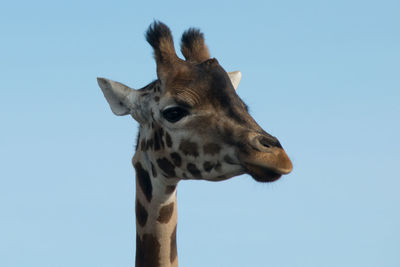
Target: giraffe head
[{"x": 193, "y": 125}]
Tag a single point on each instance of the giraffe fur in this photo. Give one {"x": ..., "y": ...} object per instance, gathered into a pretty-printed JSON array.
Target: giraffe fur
[{"x": 192, "y": 126}]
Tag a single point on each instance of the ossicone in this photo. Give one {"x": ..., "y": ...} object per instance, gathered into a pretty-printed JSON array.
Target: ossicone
[
  {"x": 193, "y": 46},
  {"x": 159, "y": 36}
]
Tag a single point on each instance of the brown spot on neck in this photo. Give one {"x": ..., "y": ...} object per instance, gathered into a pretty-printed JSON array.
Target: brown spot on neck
[
  {"x": 141, "y": 213},
  {"x": 147, "y": 251},
  {"x": 173, "y": 252},
  {"x": 143, "y": 178},
  {"x": 166, "y": 213}
]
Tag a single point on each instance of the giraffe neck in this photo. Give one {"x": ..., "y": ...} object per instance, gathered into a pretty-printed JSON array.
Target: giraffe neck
[{"x": 156, "y": 218}]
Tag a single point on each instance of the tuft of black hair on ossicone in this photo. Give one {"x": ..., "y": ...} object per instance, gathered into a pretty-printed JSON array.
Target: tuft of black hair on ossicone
[
  {"x": 193, "y": 46},
  {"x": 190, "y": 36},
  {"x": 156, "y": 31},
  {"x": 159, "y": 36}
]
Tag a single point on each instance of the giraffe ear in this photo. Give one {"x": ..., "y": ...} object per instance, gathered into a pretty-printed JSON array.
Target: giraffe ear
[
  {"x": 120, "y": 97},
  {"x": 235, "y": 77}
]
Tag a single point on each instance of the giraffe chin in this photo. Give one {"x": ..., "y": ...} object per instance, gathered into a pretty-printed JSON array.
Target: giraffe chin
[{"x": 262, "y": 174}]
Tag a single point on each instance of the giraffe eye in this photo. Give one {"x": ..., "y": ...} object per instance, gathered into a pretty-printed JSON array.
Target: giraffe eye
[{"x": 174, "y": 114}]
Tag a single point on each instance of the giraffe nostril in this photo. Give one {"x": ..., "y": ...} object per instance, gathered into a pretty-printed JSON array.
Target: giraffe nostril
[
  {"x": 268, "y": 141},
  {"x": 264, "y": 141}
]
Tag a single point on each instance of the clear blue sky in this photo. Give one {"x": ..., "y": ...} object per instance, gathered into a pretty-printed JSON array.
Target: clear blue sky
[{"x": 323, "y": 76}]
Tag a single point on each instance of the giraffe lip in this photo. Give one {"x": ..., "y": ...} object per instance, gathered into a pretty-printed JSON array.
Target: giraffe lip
[
  {"x": 267, "y": 166},
  {"x": 262, "y": 174}
]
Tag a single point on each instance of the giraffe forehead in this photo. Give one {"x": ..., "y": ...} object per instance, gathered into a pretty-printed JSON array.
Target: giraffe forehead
[
  {"x": 197, "y": 88},
  {"x": 201, "y": 83}
]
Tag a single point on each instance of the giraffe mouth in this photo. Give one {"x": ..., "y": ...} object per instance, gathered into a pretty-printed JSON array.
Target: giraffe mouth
[
  {"x": 262, "y": 174},
  {"x": 267, "y": 166}
]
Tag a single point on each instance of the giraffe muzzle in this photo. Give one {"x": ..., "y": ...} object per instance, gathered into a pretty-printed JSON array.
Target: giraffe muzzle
[{"x": 266, "y": 161}]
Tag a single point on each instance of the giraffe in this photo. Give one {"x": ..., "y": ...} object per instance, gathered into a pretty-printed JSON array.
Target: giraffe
[{"x": 192, "y": 125}]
